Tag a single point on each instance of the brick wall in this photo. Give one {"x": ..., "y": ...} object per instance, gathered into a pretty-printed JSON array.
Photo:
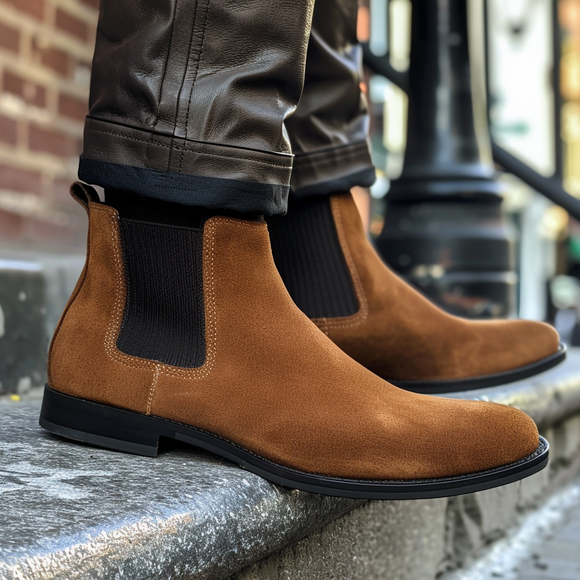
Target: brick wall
[{"x": 45, "y": 54}]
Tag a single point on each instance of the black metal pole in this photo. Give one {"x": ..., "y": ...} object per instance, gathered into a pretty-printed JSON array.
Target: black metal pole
[{"x": 444, "y": 228}]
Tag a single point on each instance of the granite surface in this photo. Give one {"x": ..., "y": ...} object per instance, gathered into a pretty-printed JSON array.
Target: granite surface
[
  {"x": 71, "y": 511},
  {"x": 548, "y": 398},
  {"x": 482, "y": 536}
]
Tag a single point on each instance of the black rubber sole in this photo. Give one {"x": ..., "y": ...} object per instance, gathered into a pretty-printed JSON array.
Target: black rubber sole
[
  {"x": 458, "y": 385},
  {"x": 122, "y": 430}
]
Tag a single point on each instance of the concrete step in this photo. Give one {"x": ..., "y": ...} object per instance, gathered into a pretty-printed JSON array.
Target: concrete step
[{"x": 71, "y": 511}]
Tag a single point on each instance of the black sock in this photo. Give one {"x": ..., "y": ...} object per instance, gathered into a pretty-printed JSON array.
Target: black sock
[
  {"x": 310, "y": 260},
  {"x": 147, "y": 209}
]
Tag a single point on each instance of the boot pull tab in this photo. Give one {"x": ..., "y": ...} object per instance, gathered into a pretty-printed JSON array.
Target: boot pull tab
[{"x": 84, "y": 194}]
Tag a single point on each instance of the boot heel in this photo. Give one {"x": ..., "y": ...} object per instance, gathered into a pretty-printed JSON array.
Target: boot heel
[{"x": 99, "y": 425}]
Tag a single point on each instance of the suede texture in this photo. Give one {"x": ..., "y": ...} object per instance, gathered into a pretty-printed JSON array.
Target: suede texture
[
  {"x": 399, "y": 334},
  {"x": 85, "y": 337},
  {"x": 272, "y": 382}
]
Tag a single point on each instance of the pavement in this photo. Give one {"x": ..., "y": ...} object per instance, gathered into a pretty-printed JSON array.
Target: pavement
[{"x": 559, "y": 556}]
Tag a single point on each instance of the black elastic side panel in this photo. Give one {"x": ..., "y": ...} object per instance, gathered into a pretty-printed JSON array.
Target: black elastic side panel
[
  {"x": 164, "y": 316},
  {"x": 310, "y": 260}
]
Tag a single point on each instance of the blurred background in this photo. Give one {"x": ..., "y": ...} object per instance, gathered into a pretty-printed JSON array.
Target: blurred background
[
  {"x": 523, "y": 89},
  {"x": 454, "y": 95},
  {"x": 46, "y": 50}
]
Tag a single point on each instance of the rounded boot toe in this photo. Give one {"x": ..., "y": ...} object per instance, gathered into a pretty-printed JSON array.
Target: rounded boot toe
[
  {"x": 512, "y": 434},
  {"x": 539, "y": 340},
  {"x": 476, "y": 436}
]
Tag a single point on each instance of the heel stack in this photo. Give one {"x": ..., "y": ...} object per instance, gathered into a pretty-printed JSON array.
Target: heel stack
[{"x": 97, "y": 424}]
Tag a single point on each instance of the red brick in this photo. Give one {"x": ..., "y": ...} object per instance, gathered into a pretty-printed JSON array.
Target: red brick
[
  {"x": 11, "y": 225},
  {"x": 16, "y": 179},
  {"x": 53, "y": 142},
  {"x": 69, "y": 234},
  {"x": 29, "y": 92},
  {"x": 61, "y": 190},
  {"x": 9, "y": 38},
  {"x": 8, "y": 132},
  {"x": 34, "y": 8},
  {"x": 72, "y": 107},
  {"x": 92, "y": 3},
  {"x": 52, "y": 58},
  {"x": 68, "y": 23},
  {"x": 32, "y": 232}
]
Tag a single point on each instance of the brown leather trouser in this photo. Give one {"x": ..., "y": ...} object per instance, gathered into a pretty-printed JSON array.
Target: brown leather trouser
[{"x": 196, "y": 102}]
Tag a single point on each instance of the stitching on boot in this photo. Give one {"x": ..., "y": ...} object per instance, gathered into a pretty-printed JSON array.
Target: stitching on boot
[
  {"x": 152, "y": 390},
  {"x": 327, "y": 324},
  {"x": 117, "y": 317},
  {"x": 212, "y": 224}
]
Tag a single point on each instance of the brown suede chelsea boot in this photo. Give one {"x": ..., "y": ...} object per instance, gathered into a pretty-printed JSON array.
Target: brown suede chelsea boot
[
  {"x": 189, "y": 333},
  {"x": 337, "y": 278}
]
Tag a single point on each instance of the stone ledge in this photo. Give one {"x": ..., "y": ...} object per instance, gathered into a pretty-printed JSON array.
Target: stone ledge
[
  {"x": 75, "y": 511},
  {"x": 548, "y": 398},
  {"x": 78, "y": 512}
]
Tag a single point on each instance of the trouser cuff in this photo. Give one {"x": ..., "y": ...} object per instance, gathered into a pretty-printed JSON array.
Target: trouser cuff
[
  {"x": 325, "y": 172},
  {"x": 183, "y": 171}
]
